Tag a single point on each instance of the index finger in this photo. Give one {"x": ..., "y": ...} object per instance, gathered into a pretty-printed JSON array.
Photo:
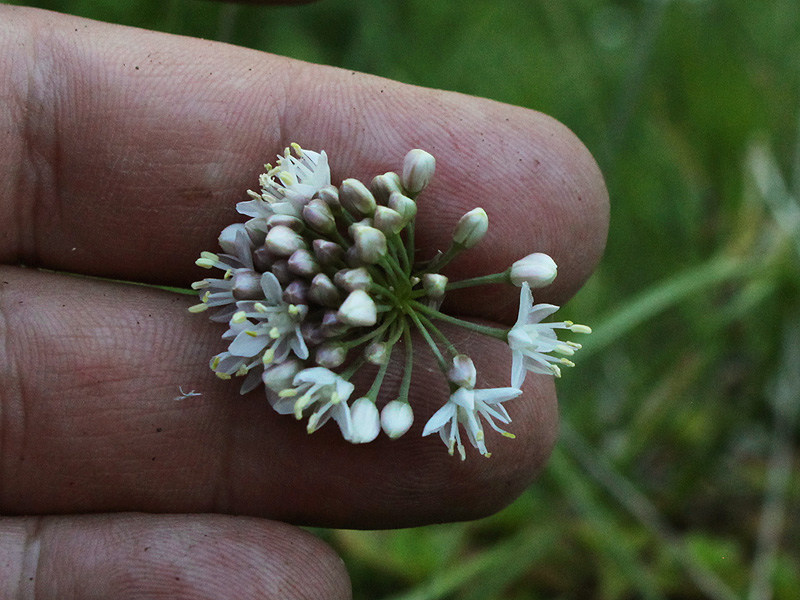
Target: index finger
[{"x": 128, "y": 149}]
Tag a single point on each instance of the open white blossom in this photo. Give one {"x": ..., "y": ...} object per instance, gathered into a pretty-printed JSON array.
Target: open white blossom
[
  {"x": 532, "y": 341},
  {"x": 466, "y": 407},
  {"x": 323, "y": 389}
]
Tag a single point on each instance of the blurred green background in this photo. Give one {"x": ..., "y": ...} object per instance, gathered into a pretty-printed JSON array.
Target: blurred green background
[{"x": 676, "y": 473}]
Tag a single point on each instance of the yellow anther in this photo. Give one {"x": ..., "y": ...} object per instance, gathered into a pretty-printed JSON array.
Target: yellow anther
[
  {"x": 294, "y": 310},
  {"x": 206, "y": 296},
  {"x": 198, "y": 308},
  {"x": 508, "y": 435},
  {"x": 242, "y": 371},
  {"x": 297, "y": 149},
  {"x": 205, "y": 263},
  {"x": 288, "y": 393},
  {"x": 239, "y": 317},
  {"x": 580, "y": 328},
  {"x": 223, "y": 376},
  {"x": 251, "y": 333},
  {"x": 215, "y": 363},
  {"x": 275, "y": 333},
  {"x": 268, "y": 357},
  {"x": 228, "y": 274},
  {"x": 260, "y": 307},
  {"x": 567, "y": 362},
  {"x": 209, "y": 255},
  {"x": 199, "y": 285}
]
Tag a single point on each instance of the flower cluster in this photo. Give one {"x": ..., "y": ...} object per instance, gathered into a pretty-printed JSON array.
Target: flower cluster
[{"x": 323, "y": 279}]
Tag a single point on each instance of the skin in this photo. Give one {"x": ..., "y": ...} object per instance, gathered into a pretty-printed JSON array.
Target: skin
[{"x": 125, "y": 153}]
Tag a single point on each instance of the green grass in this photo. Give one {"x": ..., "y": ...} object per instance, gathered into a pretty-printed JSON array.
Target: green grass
[{"x": 676, "y": 476}]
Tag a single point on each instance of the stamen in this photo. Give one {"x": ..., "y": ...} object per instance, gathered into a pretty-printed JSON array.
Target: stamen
[
  {"x": 198, "y": 308},
  {"x": 269, "y": 356},
  {"x": 288, "y": 393},
  {"x": 223, "y": 376},
  {"x": 275, "y": 333},
  {"x": 251, "y": 333},
  {"x": 580, "y": 328},
  {"x": 199, "y": 285},
  {"x": 260, "y": 307},
  {"x": 239, "y": 317}
]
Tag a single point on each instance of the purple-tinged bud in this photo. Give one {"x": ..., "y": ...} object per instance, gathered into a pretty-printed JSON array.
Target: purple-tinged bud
[
  {"x": 403, "y": 205},
  {"x": 257, "y": 230},
  {"x": 246, "y": 285},
  {"x": 366, "y": 421},
  {"x": 323, "y": 292},
  {"x": 356, "y": 198},
  {"x": 283, "y": 241},
  {"x": 263, "y": 259},
  {"x": 330, "y": 196},
  {"x": 280, "y": 268},
  {"x": 471, "y": 228},
  {"x": 538, "y": 269},
  {"x": 353, "y": 279},
  {"x": 312, "y": 333},
  {"x": 396, "y": 418},
  {"x": 319, "y": 217},
  {"x": 296, "y": 292},
  {"x": 418, "y": 168},
  {"x": 434, "y": 285},
  {"x": 358, "y": 310},
  {"x": 303, "y": 263},
  {"x": 231, "y": 238},
  {"x": 327, "y": 252},
  {"x": 383, "y": 185},
  {"x": 352, "y": 258},
  {"x": 332, "y": 325},
  {"x": 289, "y": 221},
  {"x": 463, "y": 372},
  {"x": 376, "y": 353},
  {"x": 330, "y": 355},
  {"x": 370, "y": 244},
  {"x": 388, "y": 221}
]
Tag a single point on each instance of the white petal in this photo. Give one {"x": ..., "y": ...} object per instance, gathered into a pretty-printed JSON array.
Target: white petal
[
  {"x": 439, "y": 419},
  {"x": 248, "y": 345}
]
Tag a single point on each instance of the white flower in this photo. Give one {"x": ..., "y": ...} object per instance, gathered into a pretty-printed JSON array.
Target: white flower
[
  {"x": 325, "y": 389},
  {"x": 466, "y": 407},
  {"x": 532, "y": 341},
  {"x": 288, "y": 187},
  {"x": 269, "y": 329}
]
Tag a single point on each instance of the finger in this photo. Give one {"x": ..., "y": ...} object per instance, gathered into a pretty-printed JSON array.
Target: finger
[
  {"x": 132, "y": 556},
  {"x": 128, "y": 150},
  {"x": 93, "y": 421}
]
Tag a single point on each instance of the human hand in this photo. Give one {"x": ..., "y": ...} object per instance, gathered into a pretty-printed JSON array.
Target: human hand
[{"x": 125, "y": 152}]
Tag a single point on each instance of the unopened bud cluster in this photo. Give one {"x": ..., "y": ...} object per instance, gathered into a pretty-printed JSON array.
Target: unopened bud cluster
[{"x": 323, "y": 280}]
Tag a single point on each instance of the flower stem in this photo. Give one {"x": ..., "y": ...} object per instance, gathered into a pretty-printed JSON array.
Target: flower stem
[
  {"x": 503, "y": 277},
  {"x": 439, "y": 358},
  {"x": 437, "y": 332},
  {"x": 405, "y": 384},
  {"x": 495, "y": 332}
]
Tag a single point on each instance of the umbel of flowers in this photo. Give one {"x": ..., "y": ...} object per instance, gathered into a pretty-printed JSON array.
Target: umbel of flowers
[{"x": 323, "y": 279}]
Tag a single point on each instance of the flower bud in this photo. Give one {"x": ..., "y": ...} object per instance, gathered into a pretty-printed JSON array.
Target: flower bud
[
  {"x": 323, "y": 292},
  {"x": 471, "y": 228},
  {"x": 283, "y": 241},
  {"x": 376, "y": 353},
  {"x": 353, "y": 279},
  {"x": 289, "y": 221},
  {"x": 263, "y": 259},
  {"x": 434, "y": 285},
  {"x": 358, "y": 310},
  {"x": 327, "y": 252},
  {"x": 330, "y": 355},
  {"x": 257, "y": 230},
  {"x": 231, "y": 237},
  {"x": 352, "y": 258},
  {"x": 296, "y": 292},
  {"x": 319, "y": 217},
  {"x": 370, "y": 244},
  {"x": 388, "y": 221},
  {"x": 463, "y": 372},
  {"x": 537, "y": 269},
  {"x": 312, "y": 333},
  {"x": 332, "y": 325},
  {"x": 279, "y": 377},
  {"x": 303, "y": 263},
  {"x": 356, "y": 198},
  {"x": 403, "y": 205},
  {"x": 330, "y": 196},
  {"x": 280, "y": 268},
  {"x": 418, "y": 168},
  {"x": 366, "y": 421},
  {"x": 383, "y": 185},
  {"x": 246, "y": 285},
  {"x": 396, "y": 418}
]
